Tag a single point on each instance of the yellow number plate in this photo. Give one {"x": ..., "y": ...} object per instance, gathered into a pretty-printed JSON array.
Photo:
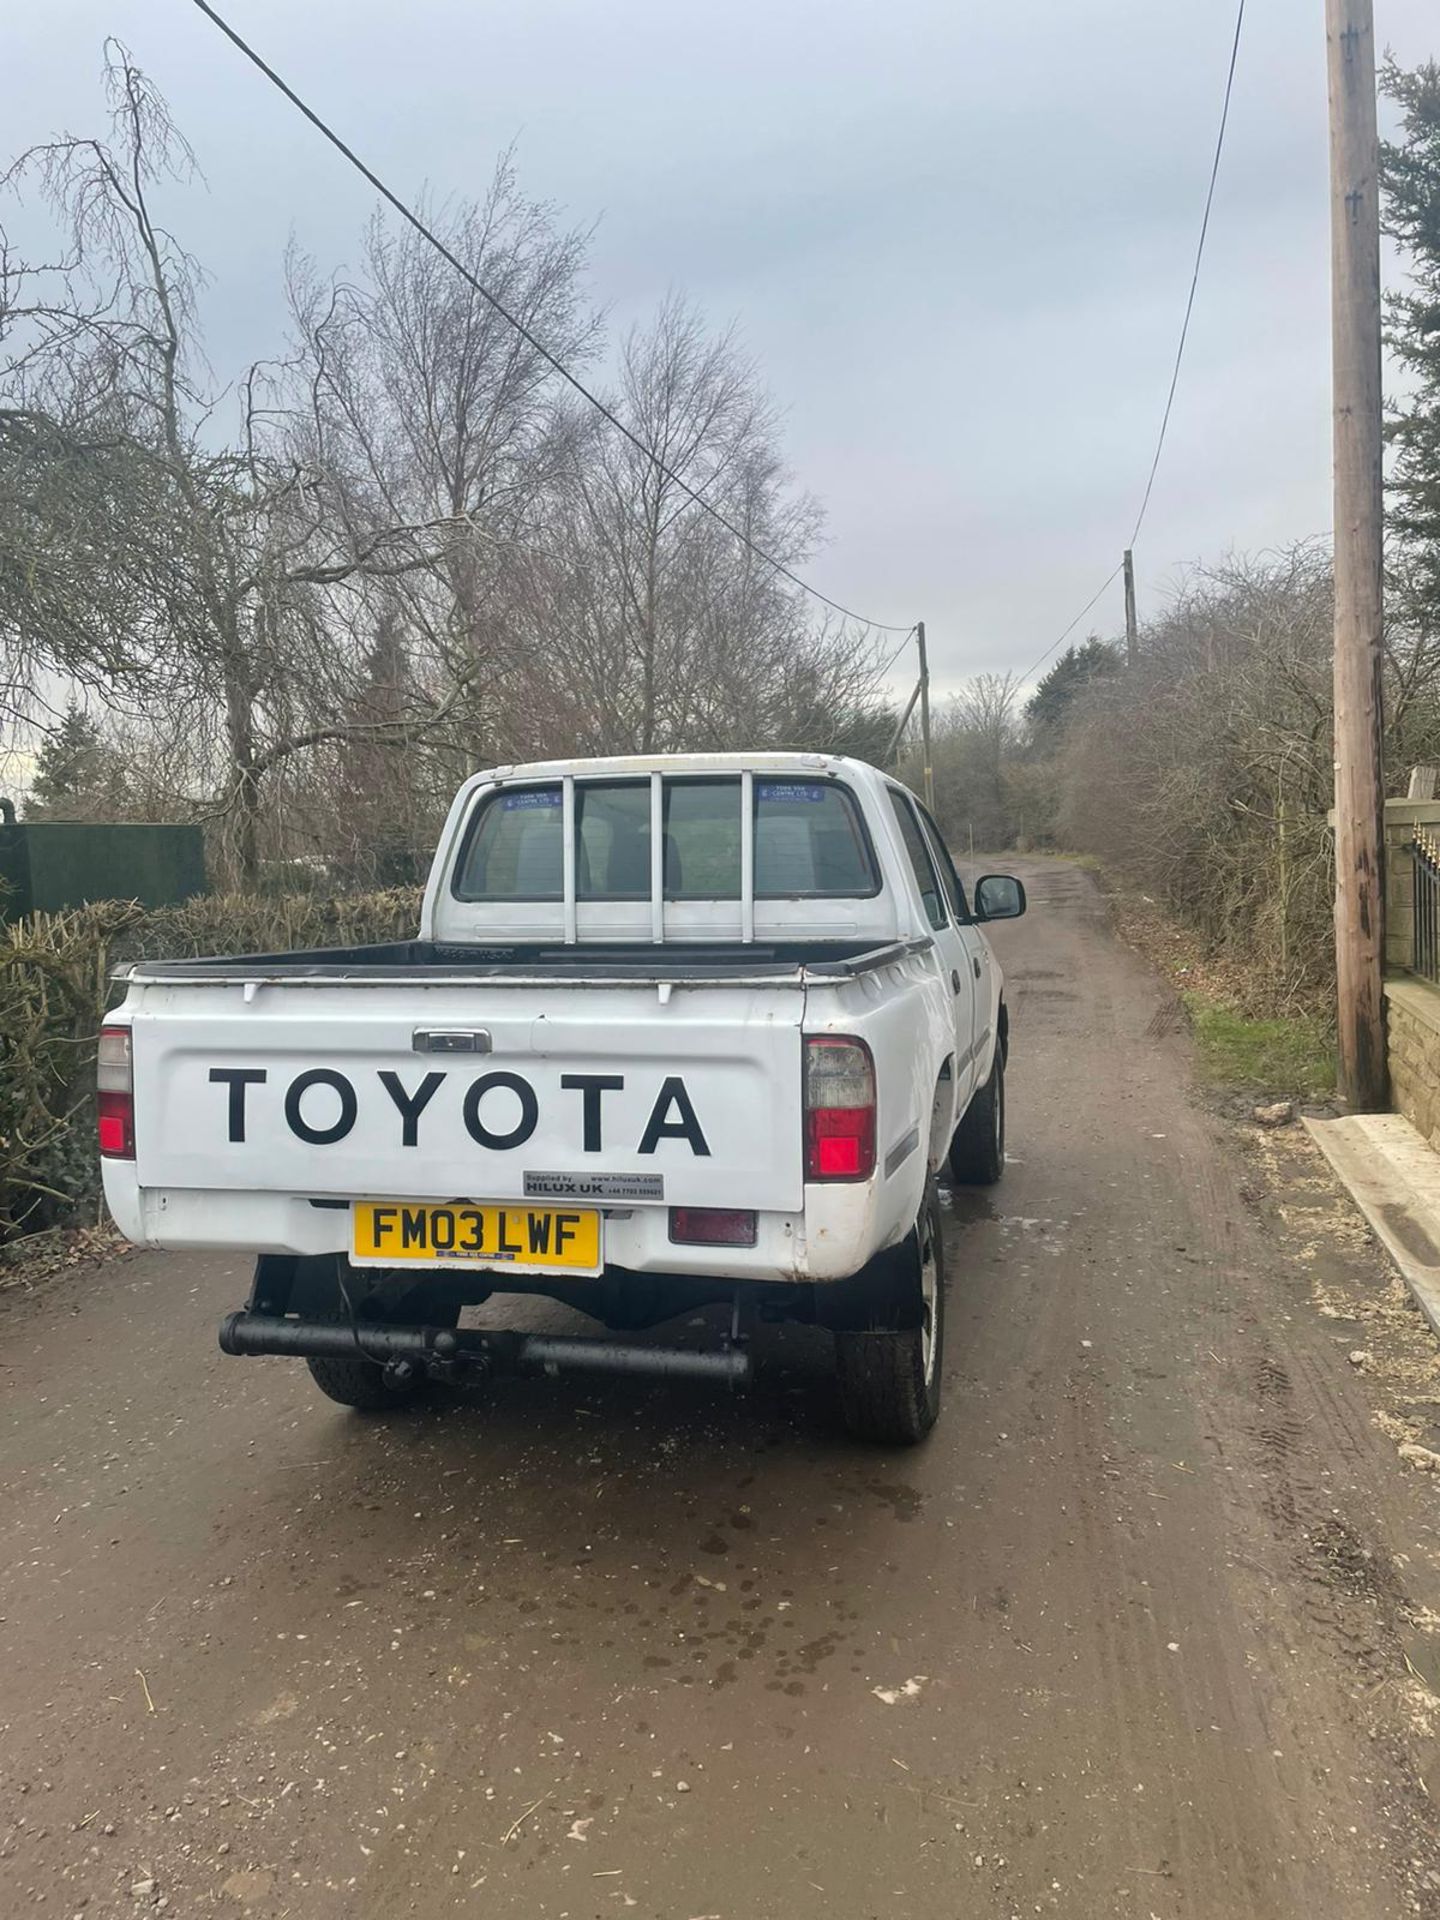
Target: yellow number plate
[{"x": 532, "y": 1239}]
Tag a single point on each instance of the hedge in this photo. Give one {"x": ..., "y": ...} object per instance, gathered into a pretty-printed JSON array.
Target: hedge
[{"x": 55, "y": 988}]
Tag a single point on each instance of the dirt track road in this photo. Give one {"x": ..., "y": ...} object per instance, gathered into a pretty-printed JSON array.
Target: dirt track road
[{"x": 1141, "y": 1632}]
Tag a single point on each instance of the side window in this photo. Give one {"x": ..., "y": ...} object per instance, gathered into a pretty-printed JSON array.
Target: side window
[
  {"x": 949, "y": 878},
  {"x": 921, "y": 864}
]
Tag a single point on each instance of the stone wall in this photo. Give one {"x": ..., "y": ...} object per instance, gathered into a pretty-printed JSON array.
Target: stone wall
[
  {"x": 1412, "y": 1006},
  {"x": 1413, "y": 1030}
]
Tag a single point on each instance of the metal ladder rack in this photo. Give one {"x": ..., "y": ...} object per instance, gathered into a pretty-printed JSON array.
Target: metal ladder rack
[{"x": 657, "y": 858}]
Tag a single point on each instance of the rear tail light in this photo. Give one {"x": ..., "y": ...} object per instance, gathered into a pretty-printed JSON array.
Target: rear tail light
[
  {"x": 712, "y": 1226},
  {"x": 839, "y": 1108},
  {"x": 115, "y": 1095}
]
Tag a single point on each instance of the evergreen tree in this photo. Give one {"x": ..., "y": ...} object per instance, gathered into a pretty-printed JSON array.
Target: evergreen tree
[
  {"x": 1048, "y": 707},
  {"x": 1410, "y": 179},
  {"x": 375, "y": 794},
  {"x": 76, "y": 774}
]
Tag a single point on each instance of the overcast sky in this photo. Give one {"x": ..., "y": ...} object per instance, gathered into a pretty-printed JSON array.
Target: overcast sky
[{"x": 956, "y": 238}]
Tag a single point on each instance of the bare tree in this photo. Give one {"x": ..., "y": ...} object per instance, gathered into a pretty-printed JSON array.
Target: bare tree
[
  {"x": 670, "y": 630},
  {"x": 311, "y": 602},
  {"x": 419, "y": 404},
  {"x": 1204, "y": 773},
  {"x": 209, "y": 584},
  {"x": 976, "y": 739}
]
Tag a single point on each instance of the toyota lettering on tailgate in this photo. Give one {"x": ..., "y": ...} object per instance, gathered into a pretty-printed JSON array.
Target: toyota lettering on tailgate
[{"x": 500, "y": 1109}]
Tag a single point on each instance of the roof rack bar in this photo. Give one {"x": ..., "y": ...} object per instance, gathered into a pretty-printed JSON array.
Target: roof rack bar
[
  {"x": 567, "y": 836},
  {"x": 657, "y": 859},
  {"x": 747, "y": 857}
]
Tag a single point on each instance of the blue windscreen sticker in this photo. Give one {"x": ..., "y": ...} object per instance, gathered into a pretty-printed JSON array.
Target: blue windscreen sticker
[
  {"x": 534, "y": 797},
  {"x": 790, "y": 790}
]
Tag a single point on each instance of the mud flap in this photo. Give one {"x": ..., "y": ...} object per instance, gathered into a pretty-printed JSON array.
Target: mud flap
[{"x": 884, "y": 1297}]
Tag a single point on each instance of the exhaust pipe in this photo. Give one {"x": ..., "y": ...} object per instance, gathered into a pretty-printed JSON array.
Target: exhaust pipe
[{"x": 439, "y": 1350}]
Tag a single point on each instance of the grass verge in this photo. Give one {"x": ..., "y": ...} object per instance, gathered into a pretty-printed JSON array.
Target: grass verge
[
  {"x": 1242, "y": 1045},
  {"x": 1292, "y": 1057}
]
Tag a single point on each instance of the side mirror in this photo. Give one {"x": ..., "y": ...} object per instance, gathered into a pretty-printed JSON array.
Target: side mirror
[{"x": 999, "y": 896}]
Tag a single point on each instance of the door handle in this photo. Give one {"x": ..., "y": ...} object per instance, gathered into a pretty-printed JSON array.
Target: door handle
[
  {"x": 954, "y": 979},
  {"x": 450, "y": 1040},
  {"x": 976, "y": 964}
]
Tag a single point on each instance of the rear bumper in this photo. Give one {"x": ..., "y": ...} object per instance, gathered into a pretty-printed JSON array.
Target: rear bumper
[{"x": 840, "y": 1228}]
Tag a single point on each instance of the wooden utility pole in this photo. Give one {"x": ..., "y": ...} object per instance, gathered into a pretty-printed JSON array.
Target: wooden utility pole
[
  {"x": 901, "y": 724},
  {"x": 929, "y": 788},
  {"x": 1359, "y": 589},
  {"x": 1132, "y": 631}
]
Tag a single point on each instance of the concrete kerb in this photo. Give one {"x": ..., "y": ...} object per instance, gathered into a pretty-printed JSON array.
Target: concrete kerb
[{"x": 1393, "y": 1176}]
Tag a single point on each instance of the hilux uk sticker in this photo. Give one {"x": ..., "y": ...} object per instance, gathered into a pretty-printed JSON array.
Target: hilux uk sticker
[{"x": 594, "y": 1186}]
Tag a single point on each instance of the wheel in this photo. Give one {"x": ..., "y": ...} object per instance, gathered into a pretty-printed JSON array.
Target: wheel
[
  {"x": 362, "y": 1383},
  {"x": 365, "y": 1383},
  {"x": 890, "y": 1382},
  {"x": 977, "y": 1153}
]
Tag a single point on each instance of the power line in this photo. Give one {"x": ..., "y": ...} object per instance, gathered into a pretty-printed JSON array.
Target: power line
[
  {"x": 880, "y": 672},
  {"x": 1195, "y": 276},
  {"x": 1180, "y": 349},
  {"x": 1073, "y": 624},
  {"x": 407, "y": 213}
]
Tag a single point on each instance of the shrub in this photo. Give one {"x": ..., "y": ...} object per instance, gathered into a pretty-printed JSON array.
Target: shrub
[{"x": 55, "y": 987}]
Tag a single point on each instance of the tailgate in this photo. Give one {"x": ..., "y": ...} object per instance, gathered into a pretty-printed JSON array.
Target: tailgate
[{"x": 347, "y": 1091}]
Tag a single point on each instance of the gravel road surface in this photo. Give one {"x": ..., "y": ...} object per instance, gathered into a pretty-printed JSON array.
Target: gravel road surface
[{"x": 1144, "y": 1630}]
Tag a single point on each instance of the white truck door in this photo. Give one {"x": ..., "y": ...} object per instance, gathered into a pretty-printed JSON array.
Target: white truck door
[
  {"x": 977, "y": 948},
  {"x": 940, "y": 899}
]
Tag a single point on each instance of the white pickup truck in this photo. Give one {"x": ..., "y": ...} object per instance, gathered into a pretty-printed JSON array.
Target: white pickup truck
[{"x": 676, "y": 1031}]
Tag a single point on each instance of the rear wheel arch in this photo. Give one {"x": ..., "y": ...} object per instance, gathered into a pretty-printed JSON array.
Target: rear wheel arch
[{"x": 881, "y": 1297}]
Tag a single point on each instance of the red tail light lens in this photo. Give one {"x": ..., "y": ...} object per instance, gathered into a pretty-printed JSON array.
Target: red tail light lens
[
  {"x": 115, "y": 1095},
  {"x": 839, "y": 1108},
  {"x": 712, "y": 1226},
  {"x": 116, "y": 1112}
]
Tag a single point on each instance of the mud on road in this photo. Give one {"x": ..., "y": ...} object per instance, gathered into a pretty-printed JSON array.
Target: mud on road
[{"x": 1146, "y": 1629}]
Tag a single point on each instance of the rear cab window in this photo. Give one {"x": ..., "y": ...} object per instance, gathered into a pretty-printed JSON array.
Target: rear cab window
[
  {"x": 514, "y": 849},
  {"x": 810, "y": 842}
]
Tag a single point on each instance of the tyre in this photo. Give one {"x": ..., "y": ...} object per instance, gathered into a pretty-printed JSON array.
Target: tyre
[
  {"x": 977, "y": 1153},
  {"x": 890, "y": 1382},
  {"x": 362, "y": 1383},
  {"x": 365, "y": 1383}
]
